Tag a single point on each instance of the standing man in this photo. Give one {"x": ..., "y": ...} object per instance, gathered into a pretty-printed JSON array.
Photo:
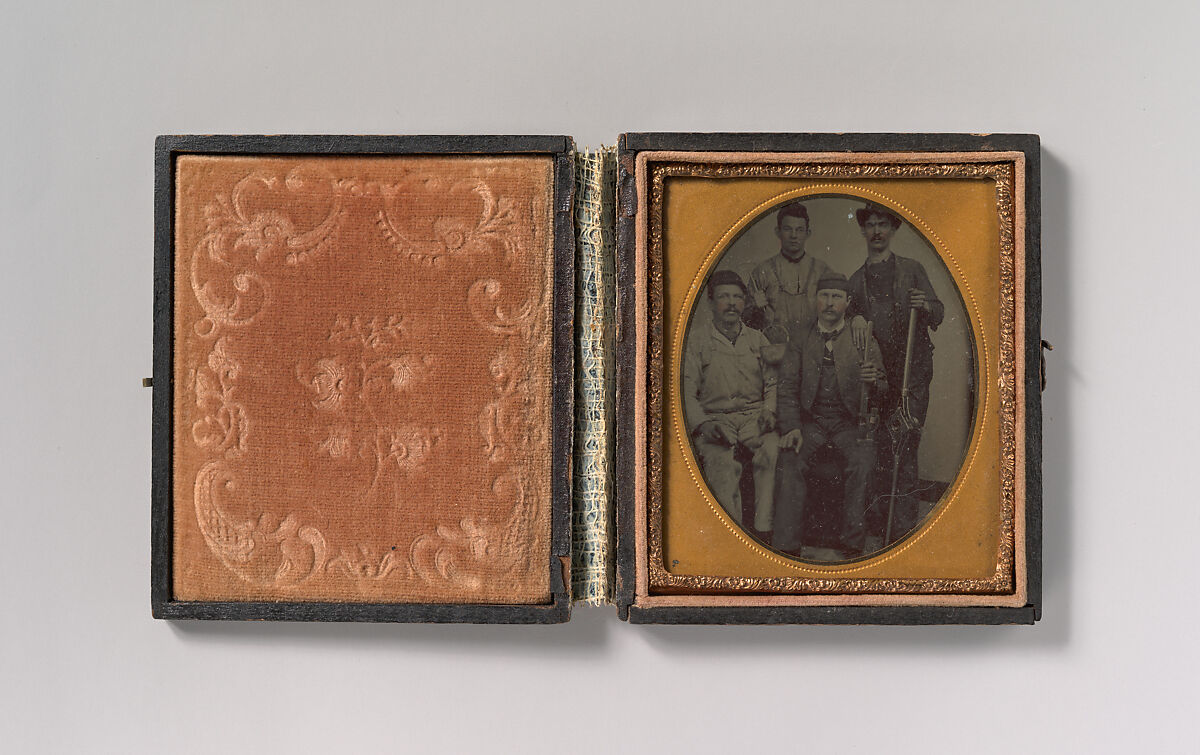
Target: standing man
[
  {"x": 885, "y": 289},
  {"x": 729, "y": 399},
  {"x": 784, "y": 287},
  {"x": 821, "y": 383}
]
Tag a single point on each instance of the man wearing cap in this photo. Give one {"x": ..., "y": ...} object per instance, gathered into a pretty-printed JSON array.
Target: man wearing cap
[
  {"x": 783, "y": 288},
  {"x": 821, "y": 381},
  {"x": 729, "y": 399},
  {"x": 884, "y": 290}
]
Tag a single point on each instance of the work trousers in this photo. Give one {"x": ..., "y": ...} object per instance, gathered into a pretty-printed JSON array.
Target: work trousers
[
  {"x": 791, "y": 490},
  {"x": 723, "y": 472}
]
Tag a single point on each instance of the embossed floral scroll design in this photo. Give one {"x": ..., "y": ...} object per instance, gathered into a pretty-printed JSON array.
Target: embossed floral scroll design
[
  {"x": 1002, "y": 580},
  {"x": 478, "y": 548},
  {"x": 444, "y": 218},
  {"x": 371, "y": 369},
  {"x": 244, "y": 239},
  {"x": 250, "y": 237},
  {"x": 358, "y": 391}
]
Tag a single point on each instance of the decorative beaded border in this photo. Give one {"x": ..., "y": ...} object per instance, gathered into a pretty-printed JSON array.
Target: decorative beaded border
[{"x": 1002, "y": 173}]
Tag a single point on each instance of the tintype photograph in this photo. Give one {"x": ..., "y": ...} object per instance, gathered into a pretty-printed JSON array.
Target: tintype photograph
[
  {"x": 836, "y": 375},
  {"x": 827, "y": 378}
]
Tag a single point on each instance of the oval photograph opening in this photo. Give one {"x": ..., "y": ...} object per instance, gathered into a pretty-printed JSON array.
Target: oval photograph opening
[{"x": 828, "y": 379}]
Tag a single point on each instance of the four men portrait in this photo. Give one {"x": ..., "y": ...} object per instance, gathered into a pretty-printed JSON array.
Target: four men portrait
[{"x": 801, "y": 369}]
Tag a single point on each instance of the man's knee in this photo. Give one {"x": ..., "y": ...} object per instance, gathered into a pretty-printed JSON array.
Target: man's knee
[
  {"x": 714, "y": 454},
  {"x": 718, "y": 461},
  {"x": 861, "y": 460},
  {"x": 767, "y": 453},
  {"x": 793, "y": 460}
]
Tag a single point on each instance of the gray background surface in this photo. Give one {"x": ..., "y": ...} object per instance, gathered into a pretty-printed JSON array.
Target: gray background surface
[{"x": 1109, "y": 86}]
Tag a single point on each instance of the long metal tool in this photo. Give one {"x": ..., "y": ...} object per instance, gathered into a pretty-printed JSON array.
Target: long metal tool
[
  {"x": 902, "y": 423},
  {"x": 868, "y": 418}
]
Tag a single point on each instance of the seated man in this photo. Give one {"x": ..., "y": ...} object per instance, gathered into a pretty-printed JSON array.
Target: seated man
[
  {"x": 821, "y": 381},
  {"x": 729, "y": 399}
]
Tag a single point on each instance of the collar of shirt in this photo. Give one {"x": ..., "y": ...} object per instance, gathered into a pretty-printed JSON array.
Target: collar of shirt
[
  {"x": 731, "y": 341},
  {"x": 889, "y": 259}
]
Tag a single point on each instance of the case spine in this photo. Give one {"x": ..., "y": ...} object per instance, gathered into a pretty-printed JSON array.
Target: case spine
[{"x": 591, "y": 529}]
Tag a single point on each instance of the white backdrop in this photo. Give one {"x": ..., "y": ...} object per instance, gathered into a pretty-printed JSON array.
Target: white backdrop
[{"x": 1110, "y": 87}]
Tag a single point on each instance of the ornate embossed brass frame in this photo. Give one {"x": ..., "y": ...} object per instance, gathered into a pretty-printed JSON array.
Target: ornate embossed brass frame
[
  {"x": 795, "y": 590},
  {"x": 560, "y": 295}
]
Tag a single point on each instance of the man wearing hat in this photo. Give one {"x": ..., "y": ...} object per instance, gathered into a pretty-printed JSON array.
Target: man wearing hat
[
  {"x": 884, "y": 290},
  {"x": 821, "y": 381},
  {"x": 783, "y": 288},
  {"x": 729, "y": 399}
]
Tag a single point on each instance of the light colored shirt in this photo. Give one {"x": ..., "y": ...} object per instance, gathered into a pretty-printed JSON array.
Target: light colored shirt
[
  {"x": 788, "y": 289},
  {"x": 722, "y": 377}
]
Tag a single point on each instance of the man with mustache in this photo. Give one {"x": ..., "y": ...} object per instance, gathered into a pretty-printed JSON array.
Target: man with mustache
[
  {"x": 821, "y": 381},
  {"x": 885, "y": 289},
  {"x": 784, "y": 287},
  {"x": 729, "y": 399}
]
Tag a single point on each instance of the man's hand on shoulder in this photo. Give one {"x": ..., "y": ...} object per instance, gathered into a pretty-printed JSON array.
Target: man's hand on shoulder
[{"x": 858, "y": 330}]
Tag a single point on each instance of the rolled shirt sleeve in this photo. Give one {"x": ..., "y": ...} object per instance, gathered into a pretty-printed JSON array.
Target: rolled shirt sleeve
[{"x": 693, "y": 377}]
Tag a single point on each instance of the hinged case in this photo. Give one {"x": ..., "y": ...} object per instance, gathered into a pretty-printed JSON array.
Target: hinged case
[{"x": 472, "y": 378}]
